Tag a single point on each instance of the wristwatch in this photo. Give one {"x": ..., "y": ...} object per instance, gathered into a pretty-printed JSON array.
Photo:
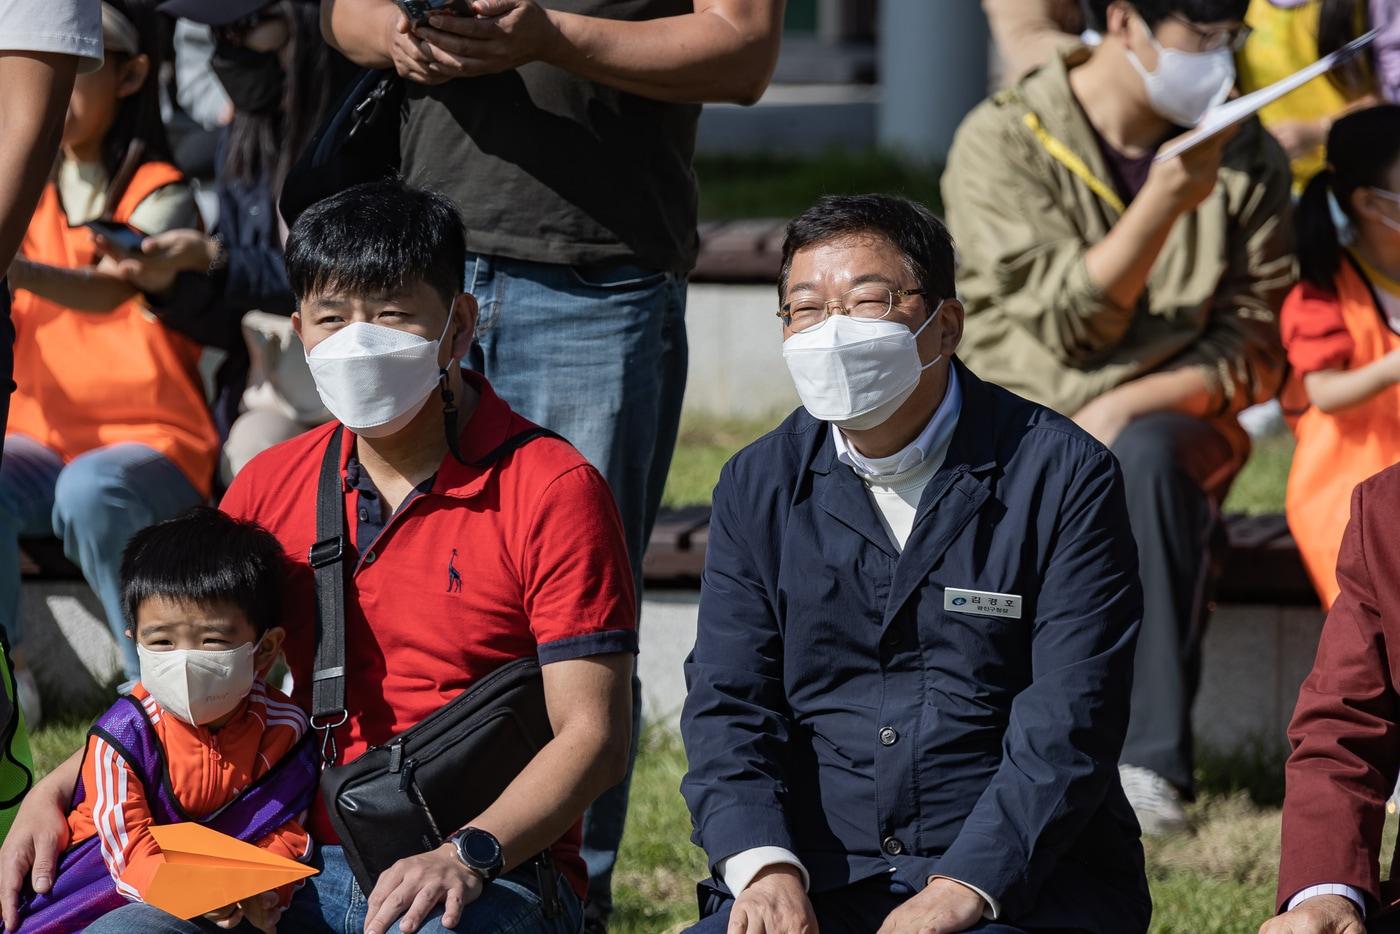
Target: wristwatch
[{"x": 480, "y": 852}]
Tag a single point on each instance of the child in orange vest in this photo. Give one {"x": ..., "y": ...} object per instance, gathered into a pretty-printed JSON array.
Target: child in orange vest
[
  {"x": 109, "y": 430},
  {"x": 1341, "y": 327}
]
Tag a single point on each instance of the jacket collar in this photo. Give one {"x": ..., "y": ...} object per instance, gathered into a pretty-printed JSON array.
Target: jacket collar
[{"x": 974, "y": 439}]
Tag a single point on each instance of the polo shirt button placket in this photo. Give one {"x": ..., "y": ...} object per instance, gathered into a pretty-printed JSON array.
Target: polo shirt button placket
[{"x": 369, "y": 557}]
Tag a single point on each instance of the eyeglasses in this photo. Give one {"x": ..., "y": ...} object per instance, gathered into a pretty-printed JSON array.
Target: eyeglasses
[
  {"x": 1213, "y": 39},
  {"x": 870, "y": 302}
]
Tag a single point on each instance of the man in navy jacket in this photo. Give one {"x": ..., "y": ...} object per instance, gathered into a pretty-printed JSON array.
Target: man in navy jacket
[{"x": 910, "y": 684}]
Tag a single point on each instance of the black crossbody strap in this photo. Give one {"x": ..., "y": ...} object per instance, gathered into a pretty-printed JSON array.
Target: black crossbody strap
[{"x": 327, "y": 560}]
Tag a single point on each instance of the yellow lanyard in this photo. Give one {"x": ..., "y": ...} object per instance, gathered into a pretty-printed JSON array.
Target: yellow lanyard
[
  {"x": 1379, "y": 279},
  {"x": 1070, "y": 160}
]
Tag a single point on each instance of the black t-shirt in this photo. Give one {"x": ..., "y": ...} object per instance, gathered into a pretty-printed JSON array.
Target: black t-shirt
[
  {"x": 1128, "y": 173},
  {"x": 550, "y": 167}
]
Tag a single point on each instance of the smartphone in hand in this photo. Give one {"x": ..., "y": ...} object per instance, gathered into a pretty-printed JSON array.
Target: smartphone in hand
[
  {"x": 123, "y": 239},
  {"x": 418, "y": 11}
]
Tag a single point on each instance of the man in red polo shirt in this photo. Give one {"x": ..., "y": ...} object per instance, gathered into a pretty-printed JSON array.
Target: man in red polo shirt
[{"x": 459, "y": 570}]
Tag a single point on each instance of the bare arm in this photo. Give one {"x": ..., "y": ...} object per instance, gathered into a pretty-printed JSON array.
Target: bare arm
[
  {"x": 1338, "y": 390},
  {"x": 37, "y": 86},
  {"x": 37, "y": 837},
  {"x": 724, "y": 51},
  {"x": 88, "y": 288},
  {"x": 590, "y": 708}
]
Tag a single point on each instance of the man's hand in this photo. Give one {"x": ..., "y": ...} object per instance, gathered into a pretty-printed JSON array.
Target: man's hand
[
  {"x": 163, "y": 257},
  {"x": 226, "y": 918},
  {"x": 1323, "y": 914},
  {"x": 501, "y": 35},
  {"x": 1188, "y": 179},
  {"x": 774, "y": 903},
  {"x": 411, "y": 54},
  {"x": 31, "y": 848},
  {"x": 262, "y": 911},
  {"x": 414, "y": 887},
  {"x": 943, "y": 907}
]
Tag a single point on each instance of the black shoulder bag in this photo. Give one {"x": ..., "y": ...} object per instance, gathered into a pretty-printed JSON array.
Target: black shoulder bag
[{"x": 406, "y": 796}]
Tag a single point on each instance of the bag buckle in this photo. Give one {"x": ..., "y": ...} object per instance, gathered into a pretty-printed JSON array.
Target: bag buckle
[
  {"x": 326, "y": 551},
  {"x": 327, "y": 727}
]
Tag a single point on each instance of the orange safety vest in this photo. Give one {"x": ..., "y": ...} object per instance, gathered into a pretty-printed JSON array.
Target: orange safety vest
[
  {"x": 86, "y": 380},
  {"x": 1336, "y": 452}
]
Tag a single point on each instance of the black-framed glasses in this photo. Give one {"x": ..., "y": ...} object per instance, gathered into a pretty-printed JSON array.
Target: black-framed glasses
[
  {"x": 1213, "y": 39},
  {"x": 870, "y": 302}
]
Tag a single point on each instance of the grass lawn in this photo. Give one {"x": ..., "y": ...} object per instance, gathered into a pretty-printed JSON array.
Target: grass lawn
[
  {"x": 762, "y": 186},
  {"x": 1217, "y": 881},
  {"x": 706, "y": 443}
]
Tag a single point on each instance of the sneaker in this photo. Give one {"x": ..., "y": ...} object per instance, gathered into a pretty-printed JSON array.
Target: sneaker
[
  {"x": 27, "y": 693},
  {"x": 1155, "y": 801}
]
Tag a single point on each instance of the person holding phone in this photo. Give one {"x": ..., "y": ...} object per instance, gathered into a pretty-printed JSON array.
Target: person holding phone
[
  {"x": 109, "y": 430},
  {"x": 1139, "y": 296}
]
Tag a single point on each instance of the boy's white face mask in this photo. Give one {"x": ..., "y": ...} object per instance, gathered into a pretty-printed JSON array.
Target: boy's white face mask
[{"x": 195, "y": 685}]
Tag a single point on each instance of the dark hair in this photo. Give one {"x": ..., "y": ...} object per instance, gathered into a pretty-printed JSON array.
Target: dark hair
[
  {"x": 262, "y": 147},
  {"x": 1361, "y": 148},
  {"x": 1197, "y": 11},
  {"x": 911, "y": 227},
  {"x": 206, "y": 556},
  {"x": 138, "y": 114},
  {"x": 1339, "y": 22},
  {"x": 377, "y": 238}
]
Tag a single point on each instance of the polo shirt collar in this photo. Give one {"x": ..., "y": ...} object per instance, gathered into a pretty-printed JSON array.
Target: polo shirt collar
[{"x": 490, "y": 425}]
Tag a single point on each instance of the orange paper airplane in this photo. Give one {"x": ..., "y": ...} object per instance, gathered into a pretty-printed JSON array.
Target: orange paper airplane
[{"x": 203, "y": 870}]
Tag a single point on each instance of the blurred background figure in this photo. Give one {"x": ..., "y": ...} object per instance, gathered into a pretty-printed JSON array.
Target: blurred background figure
[
  {"x": 1341, "y": 327},
  {"x": 1028, "y": 33},
  {"x": 1289, "y": 34},
  {"x": 42, "y": 47},
  {"x": 109, "y": 429},
  {"x": 229, "y": 289}
]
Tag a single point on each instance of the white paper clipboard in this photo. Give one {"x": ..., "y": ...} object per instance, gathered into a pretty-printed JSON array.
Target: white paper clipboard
[{"x": 1232, "y": 112}]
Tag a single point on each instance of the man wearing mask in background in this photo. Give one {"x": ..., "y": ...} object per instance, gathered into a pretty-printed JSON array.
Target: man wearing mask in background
[
  {"x": 1140, "y": 298},
  {"x": 909, "y": 685}
]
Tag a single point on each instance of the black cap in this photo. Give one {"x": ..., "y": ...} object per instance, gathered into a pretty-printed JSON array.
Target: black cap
[{"x": 212, "y": 12}]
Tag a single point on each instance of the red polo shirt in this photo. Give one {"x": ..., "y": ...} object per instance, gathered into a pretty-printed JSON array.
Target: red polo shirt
[{"x": 523, "y": 558}]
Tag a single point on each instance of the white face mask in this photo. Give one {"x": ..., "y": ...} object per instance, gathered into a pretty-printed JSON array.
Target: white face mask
[
  {"x": 855, "y": 372},
  {"x": 196, "y": 685},
  {"x": 375, "y": 379},
  {"x": 1185, "y": 84},
  {"x": 1393, "y": 198}
]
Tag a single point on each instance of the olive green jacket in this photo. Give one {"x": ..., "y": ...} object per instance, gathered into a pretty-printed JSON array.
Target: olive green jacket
[{"x": 1023, "y": 222}]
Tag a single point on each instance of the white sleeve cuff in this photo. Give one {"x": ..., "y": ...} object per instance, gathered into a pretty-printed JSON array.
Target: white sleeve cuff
[
  {"x": 738, "y": 870},
  {"x": 991, "y": 912},
  {"x": 1329, "y": 888}
]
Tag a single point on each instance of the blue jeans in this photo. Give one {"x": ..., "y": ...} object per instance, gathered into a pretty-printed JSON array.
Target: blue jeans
[
  {"x": 94, "y": 504},
  {"x": 597, "y": 354}
]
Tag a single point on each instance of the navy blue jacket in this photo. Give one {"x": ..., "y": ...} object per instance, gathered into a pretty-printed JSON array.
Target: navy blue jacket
[{"x": 837, "y": 710}]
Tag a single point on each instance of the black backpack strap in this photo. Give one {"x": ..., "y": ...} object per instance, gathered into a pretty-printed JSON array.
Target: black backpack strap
[
  {"x": 327, "y": 560},
  {"x": 514, "y": 443}
]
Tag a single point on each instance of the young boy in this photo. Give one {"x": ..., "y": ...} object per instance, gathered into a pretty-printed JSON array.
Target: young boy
[{"x": 202, "y": 737}]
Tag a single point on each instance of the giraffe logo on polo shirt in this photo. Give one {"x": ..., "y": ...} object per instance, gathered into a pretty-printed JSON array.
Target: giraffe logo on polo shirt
[{"x": 454, "y": 579}]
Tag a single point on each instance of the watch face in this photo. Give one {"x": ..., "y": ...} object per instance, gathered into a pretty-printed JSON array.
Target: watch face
[{"x": 480, "y": 848}]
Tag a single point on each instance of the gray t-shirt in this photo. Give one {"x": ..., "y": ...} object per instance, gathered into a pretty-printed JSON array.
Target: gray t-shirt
[
  {"x": 550, "y": 167},
  {"x": 70, "y": 27}
]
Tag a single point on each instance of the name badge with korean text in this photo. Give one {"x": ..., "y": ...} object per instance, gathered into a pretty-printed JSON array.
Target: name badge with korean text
[{"x": 982, "y": 603}]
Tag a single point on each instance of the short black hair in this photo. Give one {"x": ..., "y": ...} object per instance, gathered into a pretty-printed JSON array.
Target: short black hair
[
  {"x": 1196, "y": 11},
  {"x": 378, "y": 238},
  {"x": 206, "y": 556},
  {"x": 911, "y": 227}
]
